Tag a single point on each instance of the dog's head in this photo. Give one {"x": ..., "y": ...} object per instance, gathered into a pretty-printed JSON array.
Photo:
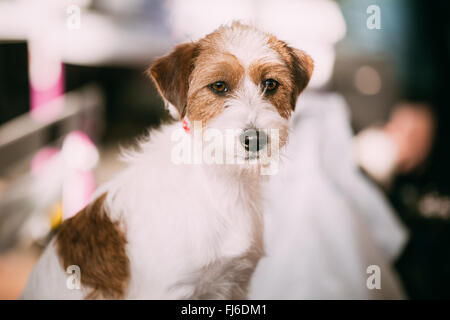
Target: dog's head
[{"x": 235, "y": 78}]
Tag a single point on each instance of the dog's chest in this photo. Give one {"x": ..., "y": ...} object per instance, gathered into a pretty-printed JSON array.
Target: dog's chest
[
  {"x": 226, "y": 272},
  {"x": 203, "y": 245}
]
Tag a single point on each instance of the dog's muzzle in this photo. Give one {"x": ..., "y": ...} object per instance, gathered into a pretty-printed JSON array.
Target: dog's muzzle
[{"x": 253, "y": 139}]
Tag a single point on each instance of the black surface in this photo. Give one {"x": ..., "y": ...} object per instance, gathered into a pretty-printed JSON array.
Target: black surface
[{"x": 14, "y": 86}]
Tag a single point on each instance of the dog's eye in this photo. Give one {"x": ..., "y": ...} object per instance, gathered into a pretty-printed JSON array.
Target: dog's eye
[
  {"x": 219, "y": 87},
  {"x": 270, "y": 85}
]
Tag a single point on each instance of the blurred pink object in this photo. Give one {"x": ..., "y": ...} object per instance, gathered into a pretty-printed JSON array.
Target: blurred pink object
[
  {"x": 44, "y": 105},
  {"x": 77, "y": 190},
  {"x": 42, "y": 160},
  {"x": 68, "y": 170},
  {"x": 80, "y": 156},
  {"x": 46, "y": 78}
]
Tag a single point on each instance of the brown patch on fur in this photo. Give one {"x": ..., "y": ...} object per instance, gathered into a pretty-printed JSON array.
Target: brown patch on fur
[
  {"x": 203, "y": 104},
  {"x": 171, "y": 74},
  {"x": 93, "y": 242},
  {"x": 281, "y": 98},
  {"x": 299, "y": 62}
]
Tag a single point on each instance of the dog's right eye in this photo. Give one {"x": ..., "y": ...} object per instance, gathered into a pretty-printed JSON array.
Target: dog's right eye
[{"x": 219, "y": 87}]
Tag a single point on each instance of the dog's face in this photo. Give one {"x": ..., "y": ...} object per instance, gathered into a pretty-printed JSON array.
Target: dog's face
[{"x": 235, "y": 78}]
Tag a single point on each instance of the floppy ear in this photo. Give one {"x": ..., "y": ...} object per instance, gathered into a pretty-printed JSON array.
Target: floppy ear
[
  {"x": 303, "y": 66},
  {"x": 171, "y": 75}
]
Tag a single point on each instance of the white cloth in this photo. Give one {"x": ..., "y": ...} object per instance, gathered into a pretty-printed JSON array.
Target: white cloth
[{"x": 325, "y": 223}]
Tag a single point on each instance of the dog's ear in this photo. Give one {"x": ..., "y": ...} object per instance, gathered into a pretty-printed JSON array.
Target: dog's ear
[
  {"x": 171, "y": 75},
  {"x": 303, "y": 66}
]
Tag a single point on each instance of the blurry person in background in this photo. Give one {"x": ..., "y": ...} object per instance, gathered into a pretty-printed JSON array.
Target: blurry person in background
[
  {"x": 419, "y": 127},
  {"x": 409, "y": 153}
]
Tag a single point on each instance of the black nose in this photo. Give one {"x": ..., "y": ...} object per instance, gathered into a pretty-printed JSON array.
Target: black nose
[{"x": 253, "y": 139}]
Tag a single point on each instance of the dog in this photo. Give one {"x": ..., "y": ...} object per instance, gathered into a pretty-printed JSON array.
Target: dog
[{"x": 167, "y": 230}]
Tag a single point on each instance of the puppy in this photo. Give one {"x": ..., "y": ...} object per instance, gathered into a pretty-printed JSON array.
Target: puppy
[{"x": 170, "y": 229}]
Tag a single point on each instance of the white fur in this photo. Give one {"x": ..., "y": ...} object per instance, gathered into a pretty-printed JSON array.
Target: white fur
[
  {"x": 187, "y": 220},
  {"x": 248, "y": 45},
  {"x": 192, "y": 216},
  {"x": 178, "y": 219},
  {"x": 48, "y": 280}
]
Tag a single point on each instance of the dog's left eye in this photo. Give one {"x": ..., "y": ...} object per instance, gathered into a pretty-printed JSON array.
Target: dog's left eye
[
  {"x": 219, "y": 87},
  {"x": 270, "y": 85}
]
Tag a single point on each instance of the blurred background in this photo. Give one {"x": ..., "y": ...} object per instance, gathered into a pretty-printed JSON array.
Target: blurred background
[{"x": 73, "y": 91}]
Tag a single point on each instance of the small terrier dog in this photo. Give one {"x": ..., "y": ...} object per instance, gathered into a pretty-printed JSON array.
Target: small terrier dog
[{"x": 164, "y": 230}]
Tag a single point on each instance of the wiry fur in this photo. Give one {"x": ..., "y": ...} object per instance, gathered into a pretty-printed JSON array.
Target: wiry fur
[{"x": 194, "y": 230}]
